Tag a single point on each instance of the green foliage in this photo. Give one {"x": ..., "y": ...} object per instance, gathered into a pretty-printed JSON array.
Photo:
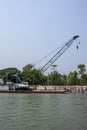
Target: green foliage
[
  {"x": 54, "y": 78},
  {"x": 82, "y": 69},
  {"x": 82, "y": 74},
  {"x": 34, "y": 76},
  {"x": 7, "y": 73},
  {"x": 27, "y": 67},
  {"x": 3, "y": 72},
  {"x": 26, "y": 73},
  {"x": 64, "y": 79},
  {"x": 73, "y": 78},
  {"x": 83, "y": 79}
]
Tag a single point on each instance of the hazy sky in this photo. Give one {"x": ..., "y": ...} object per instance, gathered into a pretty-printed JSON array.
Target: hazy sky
[{"x": 31, "y": 29}]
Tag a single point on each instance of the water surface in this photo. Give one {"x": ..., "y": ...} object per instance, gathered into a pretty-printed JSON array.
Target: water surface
[{"x": 43, "y": 111}]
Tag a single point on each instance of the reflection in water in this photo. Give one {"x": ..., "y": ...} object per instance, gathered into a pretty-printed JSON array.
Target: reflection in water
[{"x": 43, "y": 111}]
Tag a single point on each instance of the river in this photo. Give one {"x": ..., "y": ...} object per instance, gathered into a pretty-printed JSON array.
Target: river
[{"x": 43, "y": 111}]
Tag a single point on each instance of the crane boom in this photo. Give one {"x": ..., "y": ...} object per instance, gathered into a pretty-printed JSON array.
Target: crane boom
[{"x": 58, "y": 54}]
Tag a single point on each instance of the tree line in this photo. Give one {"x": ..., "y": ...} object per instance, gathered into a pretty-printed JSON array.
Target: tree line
[{"x": 34, "y": 77}]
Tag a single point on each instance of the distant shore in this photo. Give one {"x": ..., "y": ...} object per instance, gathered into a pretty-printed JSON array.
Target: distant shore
[{"x": 46, "y": 89}]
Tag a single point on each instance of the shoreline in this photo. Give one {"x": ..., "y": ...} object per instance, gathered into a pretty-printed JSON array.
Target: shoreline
[
  {"x": 46, "y": 89},
  {"x": 33, "y": 91}
]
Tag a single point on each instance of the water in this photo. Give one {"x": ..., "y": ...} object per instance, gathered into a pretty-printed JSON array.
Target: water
[{"x": 43, "y": 111}]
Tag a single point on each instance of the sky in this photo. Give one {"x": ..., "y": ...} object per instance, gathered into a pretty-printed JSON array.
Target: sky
[{"x": 31, "y": 29}]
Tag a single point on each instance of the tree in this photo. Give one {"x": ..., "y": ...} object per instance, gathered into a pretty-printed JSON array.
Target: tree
[
  {"x": 27, "y": 67},
  {"x": 26, "y": 72},
  {"x": 38, "y": 78},
  {"x": 64, "y": 79},
  {"x": 33, "y": 76},
  {"x": 7, "y": 73},
  {"x": 82, "y": 69},
  {"x": 83, "y": 76},
  {"x": 83, "y": 79},
  {"x": 54, "y": 78},
  {"x": 11, "y": 71},
  {"x": 73, "y": 78}
]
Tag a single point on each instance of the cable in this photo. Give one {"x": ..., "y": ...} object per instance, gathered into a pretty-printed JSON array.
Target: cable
[{"x": 48, "y": 55}]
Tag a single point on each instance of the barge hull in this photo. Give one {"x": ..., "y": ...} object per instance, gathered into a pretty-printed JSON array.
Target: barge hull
[{"x": 33, "y": 91}]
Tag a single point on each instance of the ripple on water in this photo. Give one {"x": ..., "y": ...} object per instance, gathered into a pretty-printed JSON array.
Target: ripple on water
[{"x": 43, "y": 111}]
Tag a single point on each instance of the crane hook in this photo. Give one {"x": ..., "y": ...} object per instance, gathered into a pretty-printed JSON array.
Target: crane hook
[{"x": 77, "y": 47}]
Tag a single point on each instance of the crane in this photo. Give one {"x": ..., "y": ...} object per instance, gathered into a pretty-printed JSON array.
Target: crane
[{"x": 58, "y": 54}]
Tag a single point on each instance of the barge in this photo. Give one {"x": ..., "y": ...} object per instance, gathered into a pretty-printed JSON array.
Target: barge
[
  {"x": 24, "y": 88},
  {"x": 34, "y": 91}
]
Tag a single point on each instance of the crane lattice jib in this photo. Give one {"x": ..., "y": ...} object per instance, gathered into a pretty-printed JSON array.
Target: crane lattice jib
[{"x": 58, "y": 54}]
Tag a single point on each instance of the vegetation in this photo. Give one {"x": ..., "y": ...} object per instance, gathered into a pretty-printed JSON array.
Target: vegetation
[
  {"x": 8, "y": 74},
  {"x": 34, "y": 76}
]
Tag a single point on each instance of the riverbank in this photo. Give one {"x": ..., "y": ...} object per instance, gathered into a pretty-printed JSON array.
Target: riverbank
[
  {"x": 60, "y": 88},
  {"x": 46, "y": 89}
]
